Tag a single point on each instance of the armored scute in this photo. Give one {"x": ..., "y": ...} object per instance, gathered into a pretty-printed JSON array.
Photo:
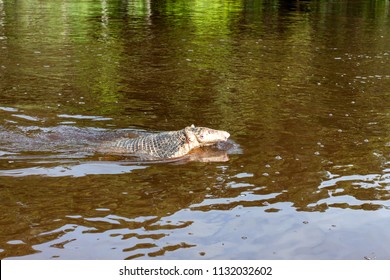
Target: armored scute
[{"x": 166, "y": 145}]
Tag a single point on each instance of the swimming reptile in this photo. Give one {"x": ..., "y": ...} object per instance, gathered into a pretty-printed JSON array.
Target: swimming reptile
[{"x": 166, "y": 145}]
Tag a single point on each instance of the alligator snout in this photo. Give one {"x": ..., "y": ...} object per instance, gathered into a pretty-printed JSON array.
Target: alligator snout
[
  {"x": 211, "y": 136},
  {"x": 225, "y": 135}
]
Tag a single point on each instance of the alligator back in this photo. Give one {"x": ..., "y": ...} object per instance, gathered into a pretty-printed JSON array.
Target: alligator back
[
  {"x": 161, "y": 145},
  {"x": 165, "y": 145}
]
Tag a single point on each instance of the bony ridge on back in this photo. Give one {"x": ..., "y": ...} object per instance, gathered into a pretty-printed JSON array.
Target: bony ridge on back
[{"x": 167, "y": 145}]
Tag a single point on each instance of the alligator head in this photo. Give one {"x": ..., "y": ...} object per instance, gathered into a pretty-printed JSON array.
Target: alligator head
[{"x": 203, "y": 136}]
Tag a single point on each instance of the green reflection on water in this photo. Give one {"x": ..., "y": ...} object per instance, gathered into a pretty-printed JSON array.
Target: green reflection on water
[{"x": 302, "y": 86}]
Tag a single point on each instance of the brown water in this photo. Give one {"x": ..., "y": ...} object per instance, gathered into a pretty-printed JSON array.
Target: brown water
[{"x": 303, "y": 87}]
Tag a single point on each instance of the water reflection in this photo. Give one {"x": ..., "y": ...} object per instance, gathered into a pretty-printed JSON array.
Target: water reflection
[{"x": 302, "y": 87}]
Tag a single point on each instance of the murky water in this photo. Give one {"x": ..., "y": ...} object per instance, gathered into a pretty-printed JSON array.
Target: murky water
[{"x": 303, "y": 87}]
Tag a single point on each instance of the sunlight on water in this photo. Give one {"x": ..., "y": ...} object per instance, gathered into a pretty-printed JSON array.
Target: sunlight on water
[
  {"x": 301, "y": 86},
  {"x": 72, "y": 170}
]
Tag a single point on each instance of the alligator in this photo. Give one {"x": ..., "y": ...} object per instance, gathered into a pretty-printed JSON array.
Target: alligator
[{"x": 166, "y": 145}]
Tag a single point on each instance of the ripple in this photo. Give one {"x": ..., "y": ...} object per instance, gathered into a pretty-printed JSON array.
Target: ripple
[
  {"x": 78, "y": 170},
  {"x": 26, "y": 117},
  {"x": 366, "y": 181},
  {"x": 365, "y": 192},
  {"x": 8, "y": 109},
  {"x": 170, "y": 248},
  {"x": 16, "y": 242},
  {"x": 246, "y": 199},
  {"x": 4, "y": 153},
  {"x": 82, "y": 117},
  {"x": 244, "y": 175}
]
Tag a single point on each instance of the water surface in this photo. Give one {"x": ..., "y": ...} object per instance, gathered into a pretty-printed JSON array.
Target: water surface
[{"x": 303, "y": 87}]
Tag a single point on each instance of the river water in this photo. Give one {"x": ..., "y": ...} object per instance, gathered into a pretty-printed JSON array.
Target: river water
[{"x": 303, "y": 87}]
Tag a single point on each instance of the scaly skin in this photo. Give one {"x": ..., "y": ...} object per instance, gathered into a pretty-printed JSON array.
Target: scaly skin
[{"x": 167, "y": 145}]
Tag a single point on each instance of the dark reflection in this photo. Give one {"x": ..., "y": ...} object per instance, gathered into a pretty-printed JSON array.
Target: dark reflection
[
  {"x": 301, "y": 86},
  {"x": 294, "y": 5}
]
